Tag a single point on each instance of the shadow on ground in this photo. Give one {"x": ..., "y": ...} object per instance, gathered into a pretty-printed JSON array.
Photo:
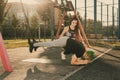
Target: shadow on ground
[
  {"x": 3, "y": 75},
  {"x": 98, "y": 70},
  {"x": 54, "y": 54},
  {"x": 37, "y": 74},
  {"x": 33, "y": 74}
]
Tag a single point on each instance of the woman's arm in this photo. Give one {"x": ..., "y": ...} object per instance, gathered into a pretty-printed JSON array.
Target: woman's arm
[
  {"x": 78, "y": 36},
  {"x": 81, "y": 39},
  {"x": 64, "y": 31}
]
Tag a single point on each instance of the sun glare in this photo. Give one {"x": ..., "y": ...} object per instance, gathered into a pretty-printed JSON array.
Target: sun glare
[
  {"x": 24, "y": 1},
  {"x": 29, "y": 1}
]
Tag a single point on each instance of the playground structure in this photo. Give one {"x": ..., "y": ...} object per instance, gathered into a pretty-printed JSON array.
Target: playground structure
[
  {"x": 69, "y": 7},
  {"x": 111, "y": 22},
  {"x": 4, "y": 56}
]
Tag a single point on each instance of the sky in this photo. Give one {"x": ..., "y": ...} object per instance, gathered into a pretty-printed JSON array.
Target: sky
[
  {"x": 25, "y": 1},
  {"x": 90, "y": 10}
]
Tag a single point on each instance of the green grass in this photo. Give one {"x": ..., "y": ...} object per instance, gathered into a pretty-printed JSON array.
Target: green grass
[
  {"x": 9, "y": 44},
  {"x": 15, "y": 43}
]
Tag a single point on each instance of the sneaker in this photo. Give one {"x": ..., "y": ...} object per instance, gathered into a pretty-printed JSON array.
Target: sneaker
[
  {"x": 63, "y": 56},
  {"x": 30, "y": 45}
]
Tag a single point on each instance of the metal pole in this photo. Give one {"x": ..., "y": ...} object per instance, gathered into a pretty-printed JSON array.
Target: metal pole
[
  {"x": 119, "y": 19},
  {"x": 4, "y": 56},
  {"x": 113, "y": 19},
  {"x": 45, "y": 30},
  {"x": 101, "y": 16},
  {"x": 75, "y": 5},
  {"x": 52, "y": 20},
  {"x": 95, "y": 16},
  {"x": 85, "y": 15},
  {"x": 39, "y": 33},
  {"x": 107, "y": 22}
]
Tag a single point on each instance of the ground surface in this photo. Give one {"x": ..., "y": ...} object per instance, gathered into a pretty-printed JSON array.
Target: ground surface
[{"x": 46, "y": 64}]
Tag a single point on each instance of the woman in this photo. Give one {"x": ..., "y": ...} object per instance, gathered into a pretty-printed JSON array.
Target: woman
[{"x": 70, "y": 39}]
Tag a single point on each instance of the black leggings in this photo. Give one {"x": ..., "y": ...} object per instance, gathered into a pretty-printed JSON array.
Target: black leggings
[{"x": 74, "y": 46}]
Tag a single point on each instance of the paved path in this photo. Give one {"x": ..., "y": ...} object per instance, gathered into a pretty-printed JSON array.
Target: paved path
[
  {"x": 45, "y": 64},
  {"x": 107, "y": 67}
]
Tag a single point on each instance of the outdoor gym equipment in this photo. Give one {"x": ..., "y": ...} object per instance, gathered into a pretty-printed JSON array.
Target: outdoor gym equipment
[
  {"x": 69, "y": 7},
  {"x": 4, "y": 56}
]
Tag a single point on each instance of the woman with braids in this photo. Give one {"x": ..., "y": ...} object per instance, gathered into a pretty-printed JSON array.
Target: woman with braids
[{"x": 70, "y": 39}]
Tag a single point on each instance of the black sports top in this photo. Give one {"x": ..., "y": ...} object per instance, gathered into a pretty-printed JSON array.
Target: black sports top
[{"x": 71, "y": 33}]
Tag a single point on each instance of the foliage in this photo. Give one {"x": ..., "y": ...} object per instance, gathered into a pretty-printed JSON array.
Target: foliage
[
  {"x": 43, "y": 11},
  {"x": 3, "y": 11},
  {"x": 16, "y": 29},
  {"x": 34, "y": 21},
  {"x": 110, "y": 31},
  {"x": 90, "y": 27},
  {"x": 15, "y": 21}
]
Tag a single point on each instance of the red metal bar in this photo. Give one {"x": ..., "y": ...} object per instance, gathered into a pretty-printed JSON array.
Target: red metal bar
[
  {"x": 60, "y": 24},
  {"x": 80, "y": 25},
  {"x": 82, "y": 30},
  {"x": 4, "y": 56}
]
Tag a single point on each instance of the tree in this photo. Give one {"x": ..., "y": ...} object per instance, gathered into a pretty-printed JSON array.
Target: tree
[
  {"x": 90, "y": 26},
  {"x": 15, "y": 23},
  {"x": 3, "y": 11},
  {"x": 34, "y": 21},
  {"x": 44, "y": 11},
  {"x": 25, "y": 12}
]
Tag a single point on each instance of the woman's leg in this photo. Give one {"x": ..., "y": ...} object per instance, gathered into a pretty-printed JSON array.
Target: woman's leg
[{"x": 61, "y": 42}]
